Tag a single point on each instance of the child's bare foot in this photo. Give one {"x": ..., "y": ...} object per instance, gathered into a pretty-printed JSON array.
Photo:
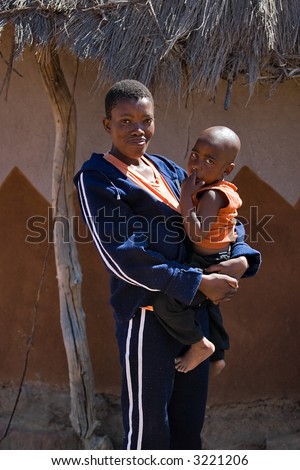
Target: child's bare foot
[
  {"x": 216, "y": 367},
  {"x": 197, "y": 353}
]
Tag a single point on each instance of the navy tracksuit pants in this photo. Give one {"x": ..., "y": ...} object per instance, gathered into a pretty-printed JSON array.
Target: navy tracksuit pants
[{"x": 161, "y": 408}]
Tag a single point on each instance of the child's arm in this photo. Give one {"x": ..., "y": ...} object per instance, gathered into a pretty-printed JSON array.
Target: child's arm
[
  {"x": 198, "y": 220},
  {"x": 234, "y": 267},
  {"x": 243, "y": 263}
]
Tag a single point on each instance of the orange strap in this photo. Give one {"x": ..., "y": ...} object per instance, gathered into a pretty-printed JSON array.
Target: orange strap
[
  {"x": 158, "y": 188},
  {"x": 149, "y": 307}
]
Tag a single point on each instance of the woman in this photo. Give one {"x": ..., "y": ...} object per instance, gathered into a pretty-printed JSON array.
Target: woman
[{"x": 130, "y": 202}]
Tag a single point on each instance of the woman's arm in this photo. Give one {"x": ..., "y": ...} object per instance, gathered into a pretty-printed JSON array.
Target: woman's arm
[
  {"x": 122, "y": 239},
  {"x": 218, "y": 288}
]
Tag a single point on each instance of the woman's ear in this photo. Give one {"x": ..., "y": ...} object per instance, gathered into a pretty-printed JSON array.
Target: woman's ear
[
  {"x": 229, "y": 169},
  {"x": 106, "y": 124}
]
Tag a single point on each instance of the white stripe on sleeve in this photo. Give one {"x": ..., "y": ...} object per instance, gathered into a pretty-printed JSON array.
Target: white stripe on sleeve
[{"x": 108, "y": 260}]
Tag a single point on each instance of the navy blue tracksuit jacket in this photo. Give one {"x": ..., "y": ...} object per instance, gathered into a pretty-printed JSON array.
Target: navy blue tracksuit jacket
[{"x": 143, "y": 245}]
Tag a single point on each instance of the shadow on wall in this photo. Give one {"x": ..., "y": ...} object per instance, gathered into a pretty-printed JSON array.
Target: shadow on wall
[
  {"x": 263, "y": 319},
  {"x": 25, "y": 234}
]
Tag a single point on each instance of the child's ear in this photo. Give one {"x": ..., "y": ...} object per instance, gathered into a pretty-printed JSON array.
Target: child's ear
[
  {"x": 229, "y": 169},
  {"x": 106, "y": 124}
]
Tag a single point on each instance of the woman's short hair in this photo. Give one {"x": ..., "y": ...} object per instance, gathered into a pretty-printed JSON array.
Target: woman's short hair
[{"x": 125, "y": 89}]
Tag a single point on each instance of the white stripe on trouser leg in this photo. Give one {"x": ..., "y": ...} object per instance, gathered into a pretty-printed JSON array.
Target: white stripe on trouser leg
[
  {"x": 129, "y": 384},
  {"x": 140, "y": 381},
  {"x": 140, "y": 378}
]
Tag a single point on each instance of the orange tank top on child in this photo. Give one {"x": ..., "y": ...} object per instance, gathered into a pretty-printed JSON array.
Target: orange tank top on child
[{"x": 222, "y": 231}]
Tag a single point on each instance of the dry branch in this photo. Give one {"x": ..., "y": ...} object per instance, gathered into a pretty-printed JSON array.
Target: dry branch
[{"x": 72, "y": 316}]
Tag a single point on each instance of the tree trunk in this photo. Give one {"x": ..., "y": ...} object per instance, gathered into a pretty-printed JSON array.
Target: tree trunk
[{"x": 68, "y": 270}]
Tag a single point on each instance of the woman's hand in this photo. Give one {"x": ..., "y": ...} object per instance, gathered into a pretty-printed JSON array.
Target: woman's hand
[
  {"x": 235, "y": 267},
  {"x": 218, "y": 287}
]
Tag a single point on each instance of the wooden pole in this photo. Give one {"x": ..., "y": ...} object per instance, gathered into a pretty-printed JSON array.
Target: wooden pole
[{"x": 72, "y": 316}]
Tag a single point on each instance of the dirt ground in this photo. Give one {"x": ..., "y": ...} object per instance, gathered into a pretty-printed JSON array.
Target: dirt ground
[{"x": 41, "y": 421}]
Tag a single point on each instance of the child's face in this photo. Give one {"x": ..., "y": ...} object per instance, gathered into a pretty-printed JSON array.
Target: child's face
[
  {"x": 131, "y": 127},
  {"x": 210, "y": 161}
]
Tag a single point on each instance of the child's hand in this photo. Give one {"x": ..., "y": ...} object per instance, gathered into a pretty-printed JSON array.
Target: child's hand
[
  {"x": 189, "y": 187},
  {"x": 235, "y": 267}
]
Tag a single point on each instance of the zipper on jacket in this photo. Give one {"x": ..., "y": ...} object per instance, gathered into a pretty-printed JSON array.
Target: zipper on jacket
[{"x": 117, "y": 189}]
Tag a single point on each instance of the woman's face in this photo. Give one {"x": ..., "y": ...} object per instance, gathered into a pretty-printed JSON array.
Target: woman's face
[{"x": 131, "y": 127}]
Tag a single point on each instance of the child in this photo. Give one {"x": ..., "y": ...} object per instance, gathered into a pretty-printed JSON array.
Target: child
[{"x": 209, "y": 206}]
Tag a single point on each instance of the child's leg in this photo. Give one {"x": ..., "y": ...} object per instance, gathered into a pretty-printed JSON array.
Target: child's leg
[
  {"x": 217, "y": 362},
  {"x": 197, "y": 353},
  {"x": 219, "y": 337},
  {"x": 178, "y": 319},
  {"x": 216, "y": 367}
]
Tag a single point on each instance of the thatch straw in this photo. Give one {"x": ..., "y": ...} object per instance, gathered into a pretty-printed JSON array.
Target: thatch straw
[{"x": 173, "y": 44}]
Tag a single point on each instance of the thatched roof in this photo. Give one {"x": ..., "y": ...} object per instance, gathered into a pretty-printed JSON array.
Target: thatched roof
[{"x": 180, "y": 44}]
